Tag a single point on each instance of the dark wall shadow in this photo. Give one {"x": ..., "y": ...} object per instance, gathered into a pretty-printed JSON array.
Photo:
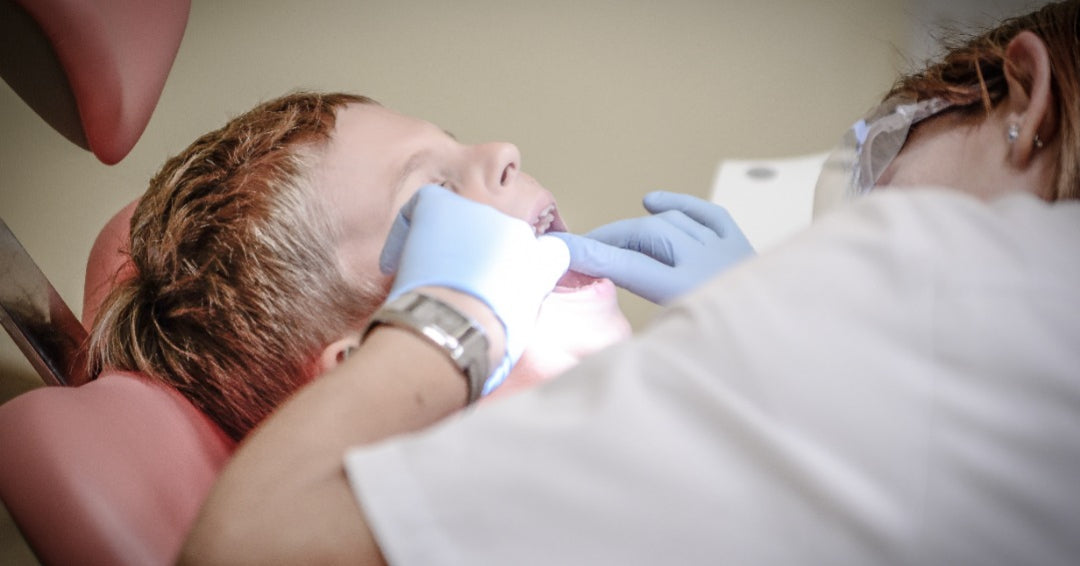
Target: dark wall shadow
[{"x": 16, "y": 379}]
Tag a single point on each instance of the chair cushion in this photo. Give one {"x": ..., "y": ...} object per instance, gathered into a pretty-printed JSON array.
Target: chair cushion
[
  {"x": 109, "y": 262},
  {"x": 111, "y": 472}
]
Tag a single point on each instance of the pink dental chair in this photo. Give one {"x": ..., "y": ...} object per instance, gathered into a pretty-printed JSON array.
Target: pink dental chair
[{"x": 109, "y": 469}]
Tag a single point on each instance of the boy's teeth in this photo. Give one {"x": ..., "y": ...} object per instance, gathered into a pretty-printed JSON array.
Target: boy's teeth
[{"x": 543, "y": 222}]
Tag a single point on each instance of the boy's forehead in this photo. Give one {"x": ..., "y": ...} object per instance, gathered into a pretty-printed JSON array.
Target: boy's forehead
[
  {"x": 366, "y": 143},
  {"x": 376, "y": 125},
  {"x": 371, "y": 145},
  {"x": 368, "y": 148}
]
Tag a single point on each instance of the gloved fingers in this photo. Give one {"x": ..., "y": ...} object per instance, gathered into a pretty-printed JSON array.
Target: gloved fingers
[
  {"x": 736, "y": 238},
  {"x": 390, "y": 255},
  {"x": 395, "y": 243},
  {"x": 709, "y": 214},
  {"x": 547, "y": 260},
  {"x": 553, "y": 259},
  {"x": 687, "y": 225},
  {"x": 649, "y": 235},
  {"x": 440, "y": 237},
  {"x": 631, "y": 270},
  {"x": 544, "y": 260}
]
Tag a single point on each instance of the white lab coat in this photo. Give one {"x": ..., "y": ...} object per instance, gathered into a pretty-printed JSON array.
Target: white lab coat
[{"x": 899, "y": 384}]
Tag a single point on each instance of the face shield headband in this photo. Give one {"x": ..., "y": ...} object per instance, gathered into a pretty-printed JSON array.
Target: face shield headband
[{"x": 868, "y": 148}]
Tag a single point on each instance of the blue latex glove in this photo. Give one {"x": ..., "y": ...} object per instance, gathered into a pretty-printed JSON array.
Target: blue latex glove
[
  {"x": 683, "y": 243},
  {"x": 442, "y": 239}
]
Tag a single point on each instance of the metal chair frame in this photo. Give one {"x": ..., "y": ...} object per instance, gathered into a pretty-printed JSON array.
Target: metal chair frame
[{"x": 37, "y": 318}]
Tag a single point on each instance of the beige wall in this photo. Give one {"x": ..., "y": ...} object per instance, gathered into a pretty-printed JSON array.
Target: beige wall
[{"x": 606, "y": 99}]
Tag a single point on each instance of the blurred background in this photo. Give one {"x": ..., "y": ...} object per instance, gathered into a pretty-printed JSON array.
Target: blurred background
[{"x": 607, "y": 100}]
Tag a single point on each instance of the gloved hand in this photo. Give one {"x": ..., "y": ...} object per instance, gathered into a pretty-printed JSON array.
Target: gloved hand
[
  {"x": 682, "y": 244},
  {"x": 442, "y": 239}
]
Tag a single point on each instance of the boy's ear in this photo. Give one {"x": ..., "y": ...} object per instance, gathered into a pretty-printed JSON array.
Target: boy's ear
[
  {"x": 1030, "y": 104},
  {"x": 337, "y": 352}
]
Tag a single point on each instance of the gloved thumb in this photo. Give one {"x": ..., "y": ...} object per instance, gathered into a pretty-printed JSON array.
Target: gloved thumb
[
  {"x": 553, "y": 258},
  {"x": 390, "y": 256},
  {"x": 601, "y": 259}
]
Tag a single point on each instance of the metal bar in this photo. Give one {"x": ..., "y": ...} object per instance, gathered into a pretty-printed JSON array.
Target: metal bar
[{"x": 37, "y": 318}]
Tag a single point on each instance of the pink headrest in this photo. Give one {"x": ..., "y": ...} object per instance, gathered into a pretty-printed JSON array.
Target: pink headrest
[
  {"x": 111, "y": 472},
  {"x": 115, "y": 54},
  {"x": 108, "y": 263}
]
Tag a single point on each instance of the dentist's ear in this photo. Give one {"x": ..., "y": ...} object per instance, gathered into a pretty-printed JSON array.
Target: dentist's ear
[
  {"x": 1031, "y": 104},
  {"x": 335, "y": 353}
]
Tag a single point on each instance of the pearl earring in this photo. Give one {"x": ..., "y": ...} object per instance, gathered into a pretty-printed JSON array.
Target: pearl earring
[{"x": 1014, "y": 133}]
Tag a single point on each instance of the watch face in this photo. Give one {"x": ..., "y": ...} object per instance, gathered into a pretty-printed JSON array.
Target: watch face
[
  {"x": 441, "y": 315},
  {"x": 462, "y": 339}
]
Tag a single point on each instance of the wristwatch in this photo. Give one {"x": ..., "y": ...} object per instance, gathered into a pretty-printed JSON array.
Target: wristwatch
[{"x": 460, "y": 337}]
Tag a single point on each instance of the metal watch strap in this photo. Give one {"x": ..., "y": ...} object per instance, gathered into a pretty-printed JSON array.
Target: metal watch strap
[{"x": 462, "y": 338}]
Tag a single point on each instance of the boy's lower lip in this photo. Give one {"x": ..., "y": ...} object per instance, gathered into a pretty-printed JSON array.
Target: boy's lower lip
[{"x": 572, "y": 281}]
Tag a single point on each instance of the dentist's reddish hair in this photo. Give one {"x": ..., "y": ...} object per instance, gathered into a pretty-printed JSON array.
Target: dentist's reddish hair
[{"x": 972, "y": 76}]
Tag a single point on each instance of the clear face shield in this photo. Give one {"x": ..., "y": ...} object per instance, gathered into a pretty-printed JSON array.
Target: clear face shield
[{"x": 868, "y": 148}]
